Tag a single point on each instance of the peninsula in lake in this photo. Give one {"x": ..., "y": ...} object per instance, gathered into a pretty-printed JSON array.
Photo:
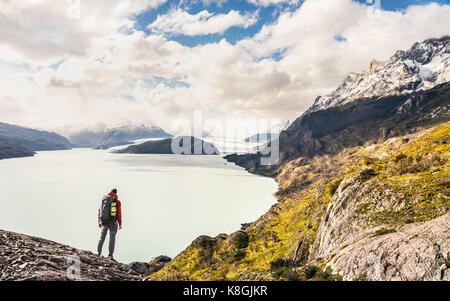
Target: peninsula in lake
[{"x": 186, "y": 146}]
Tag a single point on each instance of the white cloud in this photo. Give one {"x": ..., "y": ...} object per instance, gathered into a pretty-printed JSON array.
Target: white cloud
[
  {"x": 108, "y": 76},
  {"x": 178, "y": 21},
  {"x": 209, "y": 2},
  {"x": 263, "y": 3},
  {"x": 266, "y": 3},
  {"x": 317, "y": 62},
  {"x": 42, "y": 30}
]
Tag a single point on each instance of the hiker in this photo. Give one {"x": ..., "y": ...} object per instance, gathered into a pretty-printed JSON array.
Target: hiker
[{"x": 109, "y": 218}]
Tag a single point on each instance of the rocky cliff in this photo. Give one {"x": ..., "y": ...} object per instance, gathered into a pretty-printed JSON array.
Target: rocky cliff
[{"x": 25, "y": 257}]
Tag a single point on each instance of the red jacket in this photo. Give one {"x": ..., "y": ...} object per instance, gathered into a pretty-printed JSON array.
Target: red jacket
[{"x": 119, "y": 209}]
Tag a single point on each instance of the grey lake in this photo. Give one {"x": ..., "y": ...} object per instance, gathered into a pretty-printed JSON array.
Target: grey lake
[{"x": 167, "y": 200}]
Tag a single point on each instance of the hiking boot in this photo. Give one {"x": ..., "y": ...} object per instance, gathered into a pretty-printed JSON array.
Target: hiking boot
[{"x": 110, "y": 257}]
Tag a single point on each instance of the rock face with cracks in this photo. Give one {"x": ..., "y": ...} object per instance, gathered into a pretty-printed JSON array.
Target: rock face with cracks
[
  {"x": 357, "y": 249},
  {"x": 413, "y": 253}
]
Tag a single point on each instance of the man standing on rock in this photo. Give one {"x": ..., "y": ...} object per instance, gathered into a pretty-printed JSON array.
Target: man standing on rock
[{"x": 109, "y": 218}]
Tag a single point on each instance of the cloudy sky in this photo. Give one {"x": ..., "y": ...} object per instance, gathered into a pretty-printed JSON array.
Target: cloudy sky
[{"x": 78, "y": 63}]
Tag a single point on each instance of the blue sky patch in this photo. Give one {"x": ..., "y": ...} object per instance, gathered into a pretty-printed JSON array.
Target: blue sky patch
[
  {"x": 169, "y": 82},
  {"x": 266, "y": 15},
  {"x": 340, "y": 38}
]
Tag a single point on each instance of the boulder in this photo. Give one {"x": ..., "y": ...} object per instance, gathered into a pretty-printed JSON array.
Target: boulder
[
  {"x": 239, "y": 239},
  {"x": 204, "y": 242},
  {"x": 158, "y": 263},
  {"x": 140, "y": 267}
]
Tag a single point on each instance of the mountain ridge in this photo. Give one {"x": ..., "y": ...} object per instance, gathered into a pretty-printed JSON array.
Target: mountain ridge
[
  {"x": 355, "y": 123},
  {"x": 114, "y": 136},
  {"x": 419, "y": 68},
  {"x": 33, "y": 140},
  {"x": 17, "y": 141}
]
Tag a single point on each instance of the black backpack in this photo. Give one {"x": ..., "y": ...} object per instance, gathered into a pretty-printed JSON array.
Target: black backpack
[{"x": 108, "y": 210}]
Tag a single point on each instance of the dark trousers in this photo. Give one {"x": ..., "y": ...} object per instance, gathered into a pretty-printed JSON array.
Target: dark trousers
[{"x": 112, "y": 237}]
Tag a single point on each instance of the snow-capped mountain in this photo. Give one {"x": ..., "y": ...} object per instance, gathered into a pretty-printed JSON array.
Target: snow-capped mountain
[
  {"x": 272, "y": 133},
  {"x": 102, "y": 136},
  {"x": 422, "y": 67},
  {"x": 280, "y": 126}
]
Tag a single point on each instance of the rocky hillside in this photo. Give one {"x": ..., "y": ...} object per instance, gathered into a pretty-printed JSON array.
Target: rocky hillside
[
  {"x": 377, "y": 211},
  {"x": 356, "y": 123},
  {"x": 25, "y": 257},
  {"x": 33, "y": 140},
  {"x": 422, "y": 67},
  {"x": 12, "y": 150}
]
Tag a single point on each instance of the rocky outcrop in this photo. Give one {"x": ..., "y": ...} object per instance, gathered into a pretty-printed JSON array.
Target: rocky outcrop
[
  {"x": 143, "y": 268},
  {"x": 158, "y": 263},
  {"x": 419, "y": 252},
  {"x": 374, "y": 66},
  {"x": 25, "y": 257},
  {"x": 239, "y": 239},
  {"x": 140, "y": 267},
  {"x": 359, "y": 236}
]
